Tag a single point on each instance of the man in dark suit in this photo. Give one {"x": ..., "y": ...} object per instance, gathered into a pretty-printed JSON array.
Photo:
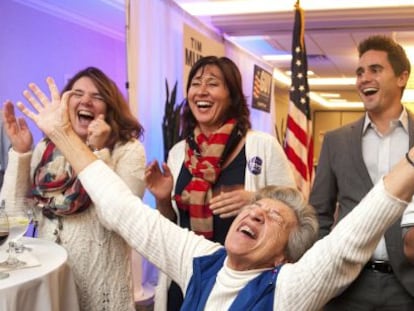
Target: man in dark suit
[{"x": 353, "y": 158}]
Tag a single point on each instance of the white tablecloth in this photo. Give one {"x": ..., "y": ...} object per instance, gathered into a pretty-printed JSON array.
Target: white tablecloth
[{"x": 47, "y": 287}]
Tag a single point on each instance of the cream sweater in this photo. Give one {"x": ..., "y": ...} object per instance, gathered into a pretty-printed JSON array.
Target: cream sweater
[
  {"x": 99, "y": 258},
  {"x": 327, "y": 268}
]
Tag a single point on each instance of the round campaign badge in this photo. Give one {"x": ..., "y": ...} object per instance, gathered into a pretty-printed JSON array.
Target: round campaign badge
[{"x": 255, "y": 165}]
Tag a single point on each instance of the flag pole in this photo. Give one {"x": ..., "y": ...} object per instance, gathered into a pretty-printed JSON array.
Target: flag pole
[{"x": 298, "y": 143}]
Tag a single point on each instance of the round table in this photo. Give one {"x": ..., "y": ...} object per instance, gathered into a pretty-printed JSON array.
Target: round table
[{"x": 46, "y": 287}]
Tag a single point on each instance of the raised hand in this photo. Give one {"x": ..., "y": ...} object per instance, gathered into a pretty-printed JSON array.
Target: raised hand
[
  {"x": 159, "y": 183},
  {"x": 52, "y": 114},
  {"x": 16, "y": 129}
]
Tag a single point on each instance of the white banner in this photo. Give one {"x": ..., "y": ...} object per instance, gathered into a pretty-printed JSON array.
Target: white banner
[{"x": 196, "y": 45}]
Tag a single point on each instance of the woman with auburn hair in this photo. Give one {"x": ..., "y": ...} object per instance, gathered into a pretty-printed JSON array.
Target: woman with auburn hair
[{"x": 100, "y": 116}]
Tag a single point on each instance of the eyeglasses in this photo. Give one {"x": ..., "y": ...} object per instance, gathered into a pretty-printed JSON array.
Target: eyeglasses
[{"x": 272, "y": 213}]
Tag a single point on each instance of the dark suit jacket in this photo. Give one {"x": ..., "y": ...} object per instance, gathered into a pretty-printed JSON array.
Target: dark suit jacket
[{"x": 342, "y": 177}]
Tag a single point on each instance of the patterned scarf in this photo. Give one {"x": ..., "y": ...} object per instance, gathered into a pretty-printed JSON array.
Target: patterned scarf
[
  {"x": 53, "y": 174},
  {"x": 204, "y": 157}
]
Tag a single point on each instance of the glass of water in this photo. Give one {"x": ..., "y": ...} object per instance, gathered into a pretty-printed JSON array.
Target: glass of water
[{"x": 18, "y": 221}]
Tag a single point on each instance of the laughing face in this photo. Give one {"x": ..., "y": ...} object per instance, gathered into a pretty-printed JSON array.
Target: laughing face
[
  {"x": 377, "y": 84},
  {"x": 208, "y": 98},
  {"x": 85, "y": 105},
  {"x": 258, "y": 236}
]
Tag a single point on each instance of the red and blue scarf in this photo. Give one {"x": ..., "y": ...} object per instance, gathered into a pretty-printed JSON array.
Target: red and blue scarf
[
  {"x": 54, "y": 175},
  {"x": 204, "y": 157}
]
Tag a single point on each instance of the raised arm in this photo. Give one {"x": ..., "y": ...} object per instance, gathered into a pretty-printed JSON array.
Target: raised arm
[{"x": 351, "y": 242}]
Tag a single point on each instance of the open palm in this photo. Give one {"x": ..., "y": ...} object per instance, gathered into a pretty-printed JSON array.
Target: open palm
[{"x": 51, "y": 113}]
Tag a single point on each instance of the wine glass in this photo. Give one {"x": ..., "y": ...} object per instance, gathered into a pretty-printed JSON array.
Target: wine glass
[
  {"x": 18, "y": 219},
  {"x": 4, "y": 234},
  {"x": 32, "y": 227}
]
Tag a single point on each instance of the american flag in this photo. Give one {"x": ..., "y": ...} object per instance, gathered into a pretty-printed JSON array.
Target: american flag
[{"x": 298, "y": 142}]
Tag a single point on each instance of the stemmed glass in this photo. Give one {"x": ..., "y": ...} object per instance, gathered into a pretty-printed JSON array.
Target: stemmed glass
[
  {"x": 4, "y": 234},
  {"x": 33, "y": 224},
  {"x": 18, "y": 219}
]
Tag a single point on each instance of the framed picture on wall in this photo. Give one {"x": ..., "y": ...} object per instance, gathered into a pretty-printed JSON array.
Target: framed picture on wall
[{"x": 262, "y": 89}]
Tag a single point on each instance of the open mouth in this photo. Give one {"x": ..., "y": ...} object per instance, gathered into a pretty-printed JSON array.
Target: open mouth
[
  {"x": 203, "y": 104},
  {"x": 85, "y": 117},
  {"x": 369, "y": 91},
  {"x": 247, "y": 231}
]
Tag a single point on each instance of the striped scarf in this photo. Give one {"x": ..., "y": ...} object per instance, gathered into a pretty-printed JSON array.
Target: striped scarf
[
  {"x": 54, "y": 174},
  {"x": 204, "y": 157}
]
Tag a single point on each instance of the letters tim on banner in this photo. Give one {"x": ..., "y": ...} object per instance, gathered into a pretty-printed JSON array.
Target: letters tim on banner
[
  {"x": 197, "y": 45},
  {"x": 262, "y": 89}
]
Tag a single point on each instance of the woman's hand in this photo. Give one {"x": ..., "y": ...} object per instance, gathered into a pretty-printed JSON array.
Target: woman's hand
[
  {"x": 98, "y": 133},
  {"x": 229, "y": 204},
  {"x": 16, "y": 129},
  {"x": 52, "y": 115},
  {"x": 159, "y": 183}
]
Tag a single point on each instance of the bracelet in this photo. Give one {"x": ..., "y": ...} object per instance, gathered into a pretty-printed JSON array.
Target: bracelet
[
  {"x": 408, "y": 159},
  {"x": 91, "y": 147}
]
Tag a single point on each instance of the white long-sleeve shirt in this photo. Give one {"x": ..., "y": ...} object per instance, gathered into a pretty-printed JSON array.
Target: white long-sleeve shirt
[{"x": 328, "y": 267}]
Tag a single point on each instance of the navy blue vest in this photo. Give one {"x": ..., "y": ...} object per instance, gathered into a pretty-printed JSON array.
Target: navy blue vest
[{"x": 257, "y": 295}]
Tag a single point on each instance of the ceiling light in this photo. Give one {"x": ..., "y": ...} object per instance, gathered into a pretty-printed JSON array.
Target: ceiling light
[
  {"x": 330, "y": 95},
  {"x": 208, "y": 8},
  {"x": 310, "y": 73},
  {"x": 281, "y": 77},
  {"x": 278, "y": 57},
  {"x": 330, "y": 104},
  {"x": 338, "y": 100},
  {"x": 331, "y": 81}
]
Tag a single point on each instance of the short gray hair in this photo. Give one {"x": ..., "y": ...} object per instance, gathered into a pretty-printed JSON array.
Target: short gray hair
[{"x": 302, "y": 237}]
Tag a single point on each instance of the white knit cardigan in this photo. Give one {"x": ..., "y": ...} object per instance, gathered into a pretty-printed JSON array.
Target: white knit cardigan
[{"x": 99, "y": 258}]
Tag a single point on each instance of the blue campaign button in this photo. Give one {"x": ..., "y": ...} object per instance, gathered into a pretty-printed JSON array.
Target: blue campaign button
[{"x": 255, "y": 165}]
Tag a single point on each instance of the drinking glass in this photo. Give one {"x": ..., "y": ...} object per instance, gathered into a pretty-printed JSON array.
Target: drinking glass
[
  {"x": 31, "y": 229},
  {"x": 18, "y": 219},
  {"x": 4, "y": 234}
]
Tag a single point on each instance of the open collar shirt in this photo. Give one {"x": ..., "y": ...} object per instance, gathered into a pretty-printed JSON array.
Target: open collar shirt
[{"x": 381, "y": 152}]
